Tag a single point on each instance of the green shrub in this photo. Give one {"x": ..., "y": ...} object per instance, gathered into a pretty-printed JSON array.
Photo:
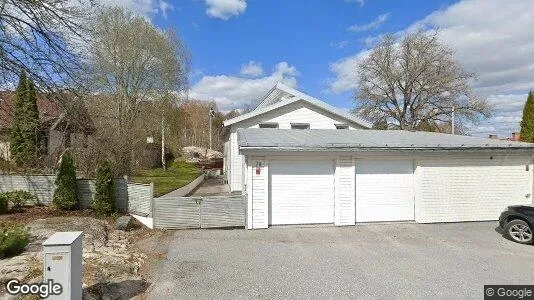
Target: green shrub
[
  {"x": 104, "y": 200},
  {"x": 65, "y": 194},
  {"x": 13, "y": 239},
  {"x": 3, "y": 204},
  {"x": 20, "y": 198}
]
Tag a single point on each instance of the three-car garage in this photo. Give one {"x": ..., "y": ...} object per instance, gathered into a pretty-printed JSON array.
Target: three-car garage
[{"x": 300, "y": 181}]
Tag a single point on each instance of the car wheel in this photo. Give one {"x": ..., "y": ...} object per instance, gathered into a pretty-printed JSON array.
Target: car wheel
[{"x": 519, "y": 231}]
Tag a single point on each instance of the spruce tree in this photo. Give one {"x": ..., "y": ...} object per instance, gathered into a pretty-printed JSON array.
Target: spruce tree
[
  {"x": 24, "y": 137},
  {"x": 104, "y": 201},
  {"x": 16, "y": 141},
  {"x": 65, "y": 194},
  {"x": 33, "y": 118},
  {"x": 527, "y": 123}
]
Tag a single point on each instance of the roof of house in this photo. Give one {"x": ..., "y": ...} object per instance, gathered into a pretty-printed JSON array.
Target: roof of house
[
  {"x": 48, "y": 109},
  {"x": 282, "y": 95},
  {"x": 266, "y": 139},
  {"x": 51, "y": 113}
]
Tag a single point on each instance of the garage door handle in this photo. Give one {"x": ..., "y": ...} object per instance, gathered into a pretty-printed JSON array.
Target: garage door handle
[{"x": 527, "y": 196}]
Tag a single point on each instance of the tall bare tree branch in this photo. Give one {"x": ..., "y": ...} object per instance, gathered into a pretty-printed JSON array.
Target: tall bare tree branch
[
  {"x": 45, "y": 39},
  {"x": 414, "y": 83}
]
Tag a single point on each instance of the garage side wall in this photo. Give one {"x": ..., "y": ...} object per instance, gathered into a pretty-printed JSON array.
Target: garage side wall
[{"x": 236, "y": 164}]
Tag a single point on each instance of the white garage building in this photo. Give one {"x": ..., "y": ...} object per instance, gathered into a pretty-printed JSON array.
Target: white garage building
[
  {"x": 299, "y": 160},
  {"x": 343, "y": 177}
]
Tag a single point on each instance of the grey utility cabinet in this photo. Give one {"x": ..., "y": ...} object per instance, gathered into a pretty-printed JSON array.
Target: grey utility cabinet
[{"x": 63, "y": 263}]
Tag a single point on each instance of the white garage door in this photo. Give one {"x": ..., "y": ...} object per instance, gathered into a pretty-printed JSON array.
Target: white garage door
[
  {"x": 301, "y": 192},
  {"x": 384, "y": 190},
  {"x": 453, "y": 190}
]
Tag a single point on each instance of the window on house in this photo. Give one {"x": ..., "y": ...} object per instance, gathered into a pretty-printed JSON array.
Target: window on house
[
  {"x": 268, "y": 125},
  {"x": 300, "y": 125},
  {"x": 342, "y": 126}
]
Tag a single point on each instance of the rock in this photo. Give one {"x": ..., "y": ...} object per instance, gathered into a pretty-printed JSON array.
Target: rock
[
  {"x": 194, "y": 154},
  {"x": 124, "y": 223},
  {"x": 119, "y": 288},
  {"x": 14, "y": 267},
  {"x": 94, "y": 231}
]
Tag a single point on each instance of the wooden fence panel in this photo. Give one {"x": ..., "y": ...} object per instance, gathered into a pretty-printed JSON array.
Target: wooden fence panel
[
  {"x": 176, "y": 212},
  {"x": 140, "y": 199},
  {"x": 218, "y": 212}
]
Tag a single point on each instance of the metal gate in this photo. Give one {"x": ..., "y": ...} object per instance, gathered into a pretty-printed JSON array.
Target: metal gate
[{"x": 199, "y": 212}]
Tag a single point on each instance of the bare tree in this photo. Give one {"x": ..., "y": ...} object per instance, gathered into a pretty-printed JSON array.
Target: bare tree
[
  {"x": 42, "y": 38},
  {"x": 414, "y": 83},
  {"x": 133, "y": 63}
]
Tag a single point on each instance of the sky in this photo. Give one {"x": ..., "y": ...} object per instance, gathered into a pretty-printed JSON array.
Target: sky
[{"x": 241, "y": 48}]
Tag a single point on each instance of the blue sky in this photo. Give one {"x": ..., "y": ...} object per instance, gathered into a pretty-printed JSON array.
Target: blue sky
[
  {"x": 308, "y": 34},
  {"x": 241, "y": 48}
]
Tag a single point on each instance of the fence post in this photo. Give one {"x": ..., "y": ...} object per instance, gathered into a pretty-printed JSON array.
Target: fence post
[
  {"x": 152, "y": 201},
  {"x": 200, "y": 212}
]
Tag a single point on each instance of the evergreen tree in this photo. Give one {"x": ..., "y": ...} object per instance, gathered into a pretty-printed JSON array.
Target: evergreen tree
[
  {"x": 16, "y": 142},
  {"x": 104, "y": 201},
  {"x": 527, "y": 124},
  {"x": 24, "y": 137},
  {"x": 65, "y": 194}
]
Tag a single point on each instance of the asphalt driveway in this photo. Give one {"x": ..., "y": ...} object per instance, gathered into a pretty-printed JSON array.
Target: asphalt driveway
[{"x": 392, "y": 261}]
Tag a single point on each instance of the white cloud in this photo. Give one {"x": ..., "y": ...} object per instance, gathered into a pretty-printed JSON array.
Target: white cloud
[
  {"x": 252, "y": 69},
  {"x": 491, "y": 38},
  {"x": 147, "y": 8},
  {"x": 370, "y": 26},
  {"x": 225, "y": 9},
  {"x": 345, "y": 70},
  {"x": 361, "y": 2},
  {"x": 234, "y": 92},
  {"x": 507, "y": 116},
  {"x": 339, "y": 45},
  {"x": 164, "y": 7}
]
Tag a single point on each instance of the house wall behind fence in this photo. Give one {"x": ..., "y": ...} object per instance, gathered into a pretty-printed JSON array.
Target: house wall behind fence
[{"x": 43, "y": 186}]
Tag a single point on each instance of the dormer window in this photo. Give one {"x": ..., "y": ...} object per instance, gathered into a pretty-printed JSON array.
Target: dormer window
[
  {"x": 300, "y": 125},
  {"x": 268, "y": 125},
  {"x": 342, "y": 126}
]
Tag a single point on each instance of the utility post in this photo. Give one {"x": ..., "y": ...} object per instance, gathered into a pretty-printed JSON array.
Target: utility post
[
  {"x": 212, "y": 115},
  {"x": 452, "y": 120},
  {"x": 163, "y": 162}
]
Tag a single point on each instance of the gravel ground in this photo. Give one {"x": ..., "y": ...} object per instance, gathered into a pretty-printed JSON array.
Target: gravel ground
[{"x": 395, "y": 261}]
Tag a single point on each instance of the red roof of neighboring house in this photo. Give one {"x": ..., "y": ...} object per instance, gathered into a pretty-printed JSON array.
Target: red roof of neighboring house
[{"x": 49, "y": 110}]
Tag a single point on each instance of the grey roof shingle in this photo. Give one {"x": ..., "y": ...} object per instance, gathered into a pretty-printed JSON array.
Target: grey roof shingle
[{"x": 354, "y": 140}]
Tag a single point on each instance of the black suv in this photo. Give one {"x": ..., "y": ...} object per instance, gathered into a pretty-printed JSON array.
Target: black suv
[{"x": 517, "y": 222}]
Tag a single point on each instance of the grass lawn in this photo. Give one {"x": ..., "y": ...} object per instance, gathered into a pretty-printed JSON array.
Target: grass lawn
[{"x": 177, "y": 175}]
